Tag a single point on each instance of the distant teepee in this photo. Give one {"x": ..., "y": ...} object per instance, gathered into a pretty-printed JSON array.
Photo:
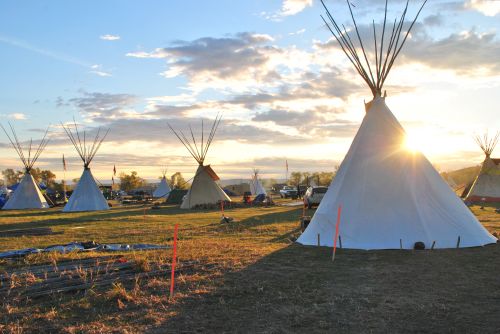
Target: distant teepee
[
  {"x": 204, "y": 189},
  {"x": 86, "y": 196},
  {"x": 163, "y": 189},
  {"x": 390, "y": 197},
  {"x": 486, "y": 186},
  {"x": 256, "y": 187},
  {"x": 27, "y": 195}
]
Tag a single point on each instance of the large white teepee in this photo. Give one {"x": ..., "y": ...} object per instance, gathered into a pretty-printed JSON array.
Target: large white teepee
[
  {"x": 86, "y": 196},
  {"x": 256, "y": 187},
  {"x": 27, "y": 195},
  {"x": 486, "y": 186},
  {"x": 204, "y": 189},
  {"x": 163, "y": 189},
  {"x": 391, "y": 197}
]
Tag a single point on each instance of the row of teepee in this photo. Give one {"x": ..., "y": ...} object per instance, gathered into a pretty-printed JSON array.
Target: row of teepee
[{"x": 86, "y": 195}]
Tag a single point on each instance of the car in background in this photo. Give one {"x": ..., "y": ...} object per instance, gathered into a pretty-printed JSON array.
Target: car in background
[
  {"x": 314, "y": 195},
  {"x": 288, "y": 192}
]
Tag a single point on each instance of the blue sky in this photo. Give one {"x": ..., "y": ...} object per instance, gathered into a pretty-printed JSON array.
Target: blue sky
[{"x": 286, "y": 92}]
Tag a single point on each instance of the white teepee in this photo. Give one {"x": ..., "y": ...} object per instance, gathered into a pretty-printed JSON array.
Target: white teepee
[
  {"x": 390, "y": 197},
  {"x": 256, "y": 187},
  {"x": 486, "y": 186},
  {"x": 27, "y": 195},
  {"x": 163, "y": 189},
  {"x": 86, "y": 196},
  {"x": 204, "y": 189}
]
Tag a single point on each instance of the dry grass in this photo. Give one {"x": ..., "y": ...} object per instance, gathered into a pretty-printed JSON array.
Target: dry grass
[{"x": 248, "y": 276}]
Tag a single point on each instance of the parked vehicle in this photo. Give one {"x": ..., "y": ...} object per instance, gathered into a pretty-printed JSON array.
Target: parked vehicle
[
  {"x": 314, "y": 195},
  {"x": 288, "y": 192}
]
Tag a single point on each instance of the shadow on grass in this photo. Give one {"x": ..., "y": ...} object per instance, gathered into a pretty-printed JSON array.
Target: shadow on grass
[
  {"x": 259, "y": 220},
  {"x": 298, "y": 289},
  {"x": 59, "y": 218}
]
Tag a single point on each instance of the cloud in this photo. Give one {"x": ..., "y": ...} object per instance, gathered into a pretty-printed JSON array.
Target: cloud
[
  {"x": 486, "y": 7},
  {"x": 101, "y": 106},
  {"x": 292, "y": 7},
  {"x": 298, "y": 32},
  {"x": 469, "y": 52},
  {"x": 97, "y": 70},
  {"x": 17, "y": 116},
  {"x": 465, "y": 53},
  {"x": 288, "y": 8},
  {"x": 109, "y": 37},
  {"x": 209, "y": 60}
]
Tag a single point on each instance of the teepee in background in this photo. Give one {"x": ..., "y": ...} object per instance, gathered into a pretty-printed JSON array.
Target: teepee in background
[
  {"x": 163, "y": 188},
  {"x": 256, "y": 187},
  {"x": 391, "y": 197},
  {"x": 27, "y": 195},
  {"x": 204, "y": 189},
  {"x": 486, "y": 186},
  {"x": 86, "y": 196}
]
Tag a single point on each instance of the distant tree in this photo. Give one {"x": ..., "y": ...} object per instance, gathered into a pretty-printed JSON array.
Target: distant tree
[
  {"x": 295, "y": 178},
  {"x": 59, "y": 187},
  {"x": 45, "y": 176},
  {"x": 11, "y": 176},
  {"x": 130, "y": 182},
  {"x": 178, "y": 182}
]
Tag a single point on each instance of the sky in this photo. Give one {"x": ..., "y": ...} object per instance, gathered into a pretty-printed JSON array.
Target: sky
[{"x": 285, "y": 90}]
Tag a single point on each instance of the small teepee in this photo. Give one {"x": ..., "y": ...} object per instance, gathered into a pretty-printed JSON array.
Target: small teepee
[
  {"x": 256, "y": 187},
  {"x": 486, "y": 186},
  {"x": 390, "y": 197},
  {"x": 86, "y": 196},
  {"x": 204, "y": 189},
  {"x": 163, "y": 189},
  {"x": 27, "y": 194}
]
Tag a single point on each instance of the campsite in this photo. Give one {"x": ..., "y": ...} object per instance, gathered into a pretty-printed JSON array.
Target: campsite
[
  {"x": 334, "y": 170},
  {"x": 249, "y": 270}
]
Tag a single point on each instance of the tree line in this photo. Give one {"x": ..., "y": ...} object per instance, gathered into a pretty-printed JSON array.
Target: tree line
[{"x": 127, "y": 181}]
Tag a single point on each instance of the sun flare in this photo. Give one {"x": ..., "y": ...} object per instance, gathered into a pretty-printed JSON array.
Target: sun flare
[{"x": 412, "y": 143}]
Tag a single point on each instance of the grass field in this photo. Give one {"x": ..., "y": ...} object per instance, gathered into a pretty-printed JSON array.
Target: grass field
[{"x": 247, "y": 276}]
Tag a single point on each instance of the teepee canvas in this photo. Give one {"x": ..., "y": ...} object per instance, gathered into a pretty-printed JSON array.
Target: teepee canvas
[
  {"x": 27, "y": 195},
  {"x": 486, "y": 186},
  {"x": 86, "y": 196},
  {"x": 390, "y": 197},
  {"x": 163, "y": 188},
  {"x": 256, "y": 187},
  {"x": 204, "y": 189}
]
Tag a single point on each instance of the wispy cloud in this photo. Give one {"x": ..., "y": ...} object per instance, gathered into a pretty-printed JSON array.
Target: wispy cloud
[
  {"x": 16, "y": 116},
  {"x": 98, "y": 70},
  {"x": 109, "y": 37},
  {"x": 44, "y": 52}
]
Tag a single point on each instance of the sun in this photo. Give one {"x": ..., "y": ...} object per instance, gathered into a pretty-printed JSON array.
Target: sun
[{"x": 412, "y": 143}]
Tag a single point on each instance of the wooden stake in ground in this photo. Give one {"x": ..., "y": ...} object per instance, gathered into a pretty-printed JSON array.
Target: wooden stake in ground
[
  {"x": 174, "y": 259},
  {"x": 336, "y": 232}
]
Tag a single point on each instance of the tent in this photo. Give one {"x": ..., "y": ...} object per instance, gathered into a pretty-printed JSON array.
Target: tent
[
  {"x": 27, "y": 194},
  {"x": 204, "y": 189},
  {"x": 486, "y": 186},
  {"x": 163, "y": 188},
  {"x": 390, "y": 197},
  {"x": 256, "y": 187},
  {"x": 86, "y": 196}
]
